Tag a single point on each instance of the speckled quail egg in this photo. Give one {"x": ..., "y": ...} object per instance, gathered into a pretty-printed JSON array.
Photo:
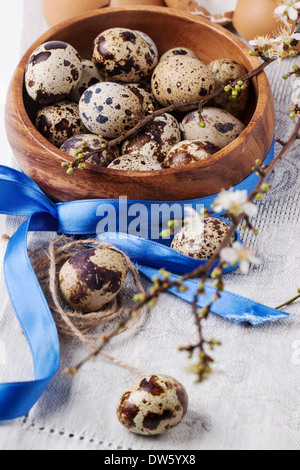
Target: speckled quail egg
[
  {"x": 201, "y": 243},
  {"x": 179, "y": 51},
  {"x": 90, "y": 76},
  {"x": 226, "y": 71},
  {"x": 124, "y": 55},
  {"x": 59, "y": 122},
  {"x": 85, "y": 144},
  {"x": 156, "y": 139},
  {"x": 153, "y": 405},
  {"x": 221, "y": 127},
  {"x": 153, "y": 46},
  {"x": 145, "y": 96},
  {"x": 181, "y": 79},
  {"x": 136, "y": 162},
  {"x": 92, "y": 278},
  {"x": 108, "y": 109},
  {"x": 53, "y": 71},
  {"x": 189, "y": 151}
]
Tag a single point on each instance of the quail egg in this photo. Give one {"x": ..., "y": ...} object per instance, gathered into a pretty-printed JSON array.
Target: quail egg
[
  {"x": 181, "y": 79},
  {"x": 85, "y": 144},
  {"x": 124, "y": 55},
  {"x": 109, "y": 109},
  {"x": 59, "y": 122},
  {"x": 179, "y": 51},
  {"x": 153, "y": 405},
  {"x": 156, "y": 139},
  {"x": 189, "y": 151},
  {"x": 221, "y": 127},
  {"x": 145, "y": 96},
  {"x": 136, "y": 162},
  {"x": 226, "y": 71},
  {"x": 92, "y": 278},
  {"x": 90, "y": 76},
  {"x": 53, "y": 71},
  {"x": 201, "y": 243},
  {"x": 153, "y": 46}
]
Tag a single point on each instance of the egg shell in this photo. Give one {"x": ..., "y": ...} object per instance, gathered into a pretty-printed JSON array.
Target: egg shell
[
  {"x": 189, "y": 151},
  {"x": 135, "y": 162},
  {"x": 92, "y": 142},
  {"x": 179, "y": 51},
  {"x": 52, "y": 72},
  {"x": 123, "y": 55},
  {"x": 153, "y": 405},
  {"x": 92, "y": 278},
  {"x": 221, "y": 127},
  {"x": 226, "y": 71},
  {"x": 156, "y": 139},
  {"x": 150, "y": 42},
  {"x": 59, "y": 122},
  {"x": 108, "y": 109},
  {"x": 181, "y": 79},
  {"x": 203, "y": 245},
  {"x": 90, "y": 76},
  {"x": 145, "y": 96}
]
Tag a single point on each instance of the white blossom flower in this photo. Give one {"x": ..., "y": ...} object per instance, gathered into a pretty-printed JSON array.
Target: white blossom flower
[
  {"x": 239, "y": 254},
  {"x": 234, "y": 203},
  {"x": 261, "y": 42},
  {"x": 287, "y": 10}
]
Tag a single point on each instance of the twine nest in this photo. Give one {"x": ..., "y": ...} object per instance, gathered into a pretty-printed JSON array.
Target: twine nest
[{"x": 47, "y": 262}]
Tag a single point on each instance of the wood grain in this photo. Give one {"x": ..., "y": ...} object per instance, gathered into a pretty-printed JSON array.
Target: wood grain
[{"x": 169, "y": 28}]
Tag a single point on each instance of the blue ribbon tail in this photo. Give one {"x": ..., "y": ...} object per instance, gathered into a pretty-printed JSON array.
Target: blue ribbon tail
[
  {"x": 21, "y": 196},
  {"x": 230, "y": 306}
]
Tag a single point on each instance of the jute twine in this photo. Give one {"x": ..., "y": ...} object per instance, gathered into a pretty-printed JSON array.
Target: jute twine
[{"x": 47, "y": 262}]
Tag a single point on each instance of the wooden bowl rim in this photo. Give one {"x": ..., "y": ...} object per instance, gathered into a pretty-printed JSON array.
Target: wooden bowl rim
[{"x": 18, "y": 78}]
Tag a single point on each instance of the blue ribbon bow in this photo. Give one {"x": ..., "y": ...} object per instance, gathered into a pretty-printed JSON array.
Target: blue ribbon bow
[{"x": 20, "y": 196}]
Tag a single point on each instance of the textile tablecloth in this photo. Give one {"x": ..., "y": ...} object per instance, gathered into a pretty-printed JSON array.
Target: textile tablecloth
[{"x": 251, "y": 401}]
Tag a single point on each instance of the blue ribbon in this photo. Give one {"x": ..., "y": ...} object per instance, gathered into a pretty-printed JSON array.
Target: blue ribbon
[{"x": 20, "y": 196}]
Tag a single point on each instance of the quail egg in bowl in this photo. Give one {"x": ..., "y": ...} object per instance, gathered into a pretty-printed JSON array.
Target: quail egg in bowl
[{"x": 41, "y": 159}]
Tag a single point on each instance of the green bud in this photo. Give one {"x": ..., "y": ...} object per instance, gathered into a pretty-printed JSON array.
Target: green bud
[
  {"x": 64, "y": 165},
  {"x": 228, "y": 88},
  {"x": 70, "y": 171},
  {"x": 202, "y": 124}
]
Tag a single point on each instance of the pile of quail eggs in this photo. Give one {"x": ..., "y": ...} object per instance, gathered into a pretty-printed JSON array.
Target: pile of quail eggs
[{"x": 86, "y": 102}]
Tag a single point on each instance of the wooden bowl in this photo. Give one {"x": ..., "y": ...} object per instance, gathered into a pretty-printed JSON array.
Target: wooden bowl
[{"x": 169, "y": 28}]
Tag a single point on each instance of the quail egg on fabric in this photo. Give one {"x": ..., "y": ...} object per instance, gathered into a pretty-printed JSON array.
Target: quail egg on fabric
[
  {"x": 85, "y": 144},
  {"x": 52, "y": 72},
  {"x": 136, "y": 162},
  {"x": 92, "y": 278},
  {"x": 226, "y": 71},
  {"x": 201, "y": 244},
  {"x": 179, "y": 51},
  {"x": 156, "y": 139},
  {"x": 124, "y": 55},
  {"x": 108, "y": 109},
  {"x": 153, "y": 405},
  {"x": 90, "y": 76},
  {"x": 189, "y": 151},
  {"x": 181, "y": 79},
  {"x": 59, "y": 122},
  {"x": 221, "y": 127}
]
